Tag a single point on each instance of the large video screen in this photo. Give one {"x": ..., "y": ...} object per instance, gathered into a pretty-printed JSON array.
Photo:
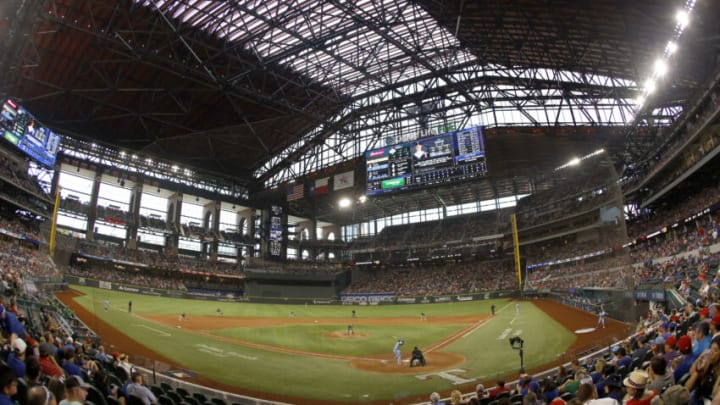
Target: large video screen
[
  {"x": 436, "y": 160},
  {"x": 23, "y": 130}
]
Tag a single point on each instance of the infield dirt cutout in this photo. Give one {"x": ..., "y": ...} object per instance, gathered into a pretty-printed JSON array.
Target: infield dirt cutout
[{"x": 435, "y": 358}]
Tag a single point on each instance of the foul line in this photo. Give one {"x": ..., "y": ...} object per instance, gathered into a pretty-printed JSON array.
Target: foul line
[{"x": 163, "y": 333}]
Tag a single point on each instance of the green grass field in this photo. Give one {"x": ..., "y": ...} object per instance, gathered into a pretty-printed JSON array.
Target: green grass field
[{"x": 486, "y": 349}]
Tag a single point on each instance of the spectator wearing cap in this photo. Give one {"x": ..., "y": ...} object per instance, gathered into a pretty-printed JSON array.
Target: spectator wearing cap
[
  {"x": 702, "y": 338},
  {"x": 686, "y": 359},
  {"x": 8, "y": 385},
  {"x": 16, "y": 357},
  {"x": 658, "y": 346},
  {"x": 614, "y": 387},
  {"x": 69, "y": 365},
  {"x": 659, "y": 376},
  {"x": 642, "y": 347},
  {"x": 715, "y": 325},
  {"x": 137, "y": 389},
  {"x": 48, "y": 343},
  {"x": 636, "y": 387},
  {"x": 77, "y": 390},
  {"x": 607, "y": 371},
  {"x": 49, "y": 365},
  {"x": 670, "y": 349},
  {"x": 623, "y": 360}
]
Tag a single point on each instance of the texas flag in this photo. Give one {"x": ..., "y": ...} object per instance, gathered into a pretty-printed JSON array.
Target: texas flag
[
  {"x": 320, "y": 186},
  {"x": 344, "y": 180}
]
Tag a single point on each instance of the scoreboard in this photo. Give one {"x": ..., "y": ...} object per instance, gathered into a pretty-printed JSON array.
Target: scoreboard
[
  {"x": 23, "y": 130},
  {"x": 436, "y": 160}
]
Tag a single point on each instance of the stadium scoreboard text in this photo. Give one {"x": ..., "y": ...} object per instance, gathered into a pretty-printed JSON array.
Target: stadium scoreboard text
[{"x": 436, "y": 160}]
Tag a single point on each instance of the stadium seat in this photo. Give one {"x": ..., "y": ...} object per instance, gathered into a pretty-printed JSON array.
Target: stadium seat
[
  {"x": 199, "y": 397},
  {"x": 174, "y": 396},
  {"x": 111, "y": 400},
  {"x": 165, "y": 400},
  {"x": 165, "y": 386},
  {"x": 157, "y": 390},
  {"x": 218, "y": 401},
  {"x": 191, "y": 401},
  {"x": 113, "y": 379},
  {"x": 94, "y": 395},
  {"x": 133, "y": 400},
  {"x": 182, "y": 392}
]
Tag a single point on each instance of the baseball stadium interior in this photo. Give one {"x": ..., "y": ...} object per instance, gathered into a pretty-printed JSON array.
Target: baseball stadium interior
[{"x": 358, "y": 154}]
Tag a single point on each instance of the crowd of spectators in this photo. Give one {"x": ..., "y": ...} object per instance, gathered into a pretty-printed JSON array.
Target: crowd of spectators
[
  {"x": 451, "y": 278},
  {"x": 702, "y": 112},
  {"x": 439, "y": 232},
  {"x": 694, "y": 204}
]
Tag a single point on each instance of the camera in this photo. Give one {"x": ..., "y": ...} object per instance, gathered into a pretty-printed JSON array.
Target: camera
[{"x": 516, "y": 342}]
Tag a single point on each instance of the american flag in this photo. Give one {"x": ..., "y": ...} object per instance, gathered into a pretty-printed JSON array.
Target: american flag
[{"x": 295, "y": 192}]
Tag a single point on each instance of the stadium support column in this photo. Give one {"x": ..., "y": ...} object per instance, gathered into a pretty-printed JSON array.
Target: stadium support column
[
  {"x": 516, "y": 244},
  {"x": 211, "y": 225},
  {"x": 135, "y": 196},
  {"x": 92, "y": 211},
  {"x": 333, "y": 230},
  {"x": 246, "y": 230},
  {"x": 311, "y": 247},
  {"x": 174, "y": 208}
]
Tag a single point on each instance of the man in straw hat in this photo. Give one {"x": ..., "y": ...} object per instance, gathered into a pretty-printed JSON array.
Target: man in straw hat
[{"x": 635, "y": 385}]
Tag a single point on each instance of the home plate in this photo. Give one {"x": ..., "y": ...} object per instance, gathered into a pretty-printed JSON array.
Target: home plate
[{"x": 585, "y": 330}]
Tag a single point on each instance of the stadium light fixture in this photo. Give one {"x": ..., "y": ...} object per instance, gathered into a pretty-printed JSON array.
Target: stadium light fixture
[
  {"x": 660, "y": 68},
  {"x": 683, "y": 18},
  {"x": 650, "y": 86},
  {"x": 362, "y": 199},
  {"x": 671, "y": 47},
  {"x": 574, "y": 162},
  {"x": 344, "y": 202}
]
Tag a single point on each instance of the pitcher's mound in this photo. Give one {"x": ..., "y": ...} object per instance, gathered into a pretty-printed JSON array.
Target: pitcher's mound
[
  {"x": 386, "y": 364},
  {"x": 343, "y": 335}
]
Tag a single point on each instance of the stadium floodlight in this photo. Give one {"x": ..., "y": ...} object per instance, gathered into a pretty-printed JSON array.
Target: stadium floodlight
[
  {"x": 344, "y": 202},
  {"x": 671, "y": 47},
  {"x": 574, "y": 162},
  {"x": 650, "y": 86},
  {"x": 683, "y": 18},
  {"x": 362, "y": 199},
  {"x": 660, "y": 68}
]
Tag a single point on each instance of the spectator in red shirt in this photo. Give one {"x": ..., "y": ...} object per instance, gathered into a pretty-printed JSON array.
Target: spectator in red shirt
[{"x": 498, "y": 389}]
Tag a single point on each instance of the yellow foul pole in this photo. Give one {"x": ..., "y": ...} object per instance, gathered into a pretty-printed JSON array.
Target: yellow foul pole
[
  {"x": 51, "y": 245},
  {"x": 517, "y": 250}
]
